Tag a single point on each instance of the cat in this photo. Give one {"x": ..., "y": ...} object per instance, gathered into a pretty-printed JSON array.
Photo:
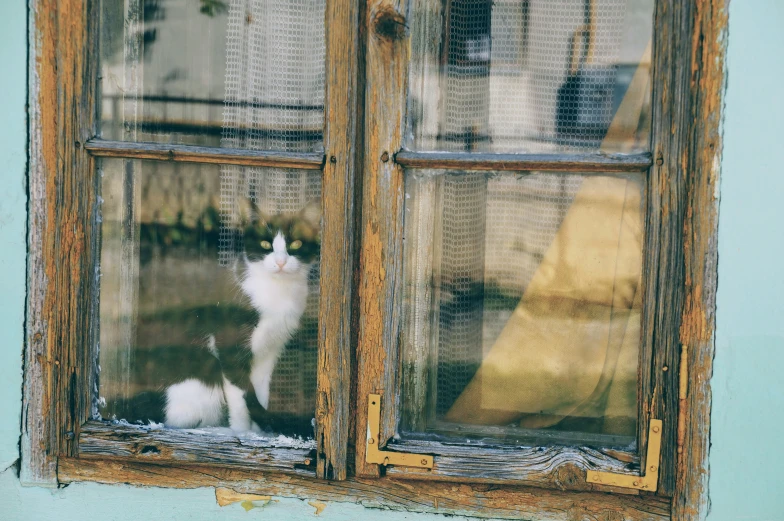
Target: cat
[{"x": 237, "y": 355}]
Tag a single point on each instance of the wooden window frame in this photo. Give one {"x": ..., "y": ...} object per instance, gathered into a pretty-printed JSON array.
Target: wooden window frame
[
  {"x": 61, "y": 354},
  {"x": 675, "y": 256},
  {"x": 362, "y": 198}
]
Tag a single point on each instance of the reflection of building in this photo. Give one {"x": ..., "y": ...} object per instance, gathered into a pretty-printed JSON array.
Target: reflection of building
[
  {"x": 529, "y": 47},
  {"x": 494, "y": 77},
  {"x": 249, "y": 76},
  {"x": 169, "y": 67}
]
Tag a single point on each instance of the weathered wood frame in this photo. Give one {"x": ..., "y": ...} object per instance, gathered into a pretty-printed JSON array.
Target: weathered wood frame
[
  {"x": 680, "y": 249},
  {"x": 63, "y": 244},
  {"x": 381, "y": 272},
  {"x": 61, "y": 354}
]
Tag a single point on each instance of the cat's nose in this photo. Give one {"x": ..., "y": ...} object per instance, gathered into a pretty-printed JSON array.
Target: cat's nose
[{"x": 280, "y": 262}]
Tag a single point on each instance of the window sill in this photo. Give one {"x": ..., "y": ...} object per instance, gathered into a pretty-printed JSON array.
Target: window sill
[
  {"x": 159, "y": 446},
  {"x": 488, "y": 501}
]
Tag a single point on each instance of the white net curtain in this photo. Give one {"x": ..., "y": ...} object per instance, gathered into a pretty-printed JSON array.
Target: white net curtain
[
  {"x": 274, "y": 100},
  {"x": 510, "y": 267}
]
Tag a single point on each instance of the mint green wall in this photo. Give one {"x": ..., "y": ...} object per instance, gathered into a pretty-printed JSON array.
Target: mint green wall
[{"x": 746, "y": 455}]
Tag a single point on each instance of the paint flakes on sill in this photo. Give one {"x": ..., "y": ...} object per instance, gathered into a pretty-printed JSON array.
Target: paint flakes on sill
[
  {"x": 227, "y": 496},
  {"x": 318, "y": 505}
]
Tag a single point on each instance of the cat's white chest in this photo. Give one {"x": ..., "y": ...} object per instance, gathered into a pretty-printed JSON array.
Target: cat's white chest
[
  {"x": 273, "y": 294},
  {"x": 280, "y": 301}
]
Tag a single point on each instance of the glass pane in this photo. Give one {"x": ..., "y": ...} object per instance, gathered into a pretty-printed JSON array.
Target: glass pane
[
  {"x": 530, "y": 76},
  {"x": 233, "y": 73},
  {"x": 208, "y": 318},
  {"x": 522, "y": 302}
]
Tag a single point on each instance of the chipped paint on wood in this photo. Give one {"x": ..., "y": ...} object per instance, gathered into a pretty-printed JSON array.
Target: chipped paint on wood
[
  {"x": 484, "y": 501},
  {"x": 171, "y": 446},
  {"x": 318, "y": 505},
  {"x": 706, "y": 91},
  {"x": 227, "y": 496},
  {"x": 62, "y": 240},
  {"x": 387, "y": 51},
  {"x": 680, "y": 259},
  {"x": 338, "y": 240}
]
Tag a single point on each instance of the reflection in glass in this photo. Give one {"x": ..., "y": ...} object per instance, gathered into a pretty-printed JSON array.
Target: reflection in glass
[
  {"x": 177, "y": 325},
  {"x": 522, "y": 302},
  {"x": 234, "y": 73},
  {"x": 530, "y": 76}
]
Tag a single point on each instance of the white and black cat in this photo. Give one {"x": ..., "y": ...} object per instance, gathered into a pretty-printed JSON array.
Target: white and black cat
[{"x": 236, "y": 355}]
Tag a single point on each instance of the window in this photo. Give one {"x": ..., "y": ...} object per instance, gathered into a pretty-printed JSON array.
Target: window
[
  {"x": 515, "y": 267},
  {"x": 188, "y": 112}
]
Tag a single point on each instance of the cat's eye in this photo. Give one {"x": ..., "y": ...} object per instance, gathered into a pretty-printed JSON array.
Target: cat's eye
[
  {"x": 266, "y": 245},
  {"x": 296, "y": 245}
]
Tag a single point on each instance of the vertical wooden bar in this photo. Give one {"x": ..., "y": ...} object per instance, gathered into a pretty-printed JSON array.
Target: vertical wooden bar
[
  {"x": 338, "y": 238},
  {"x": 428, "y": 57},
  {"x": 380, "y": 288},
  {"x": 680, "y": 258},
  {"x": 663, "y": 258},
  {"x": 62, "y": 237},
  {"x": 418, "y": 353},
  {"x": 707, "y": 51}
]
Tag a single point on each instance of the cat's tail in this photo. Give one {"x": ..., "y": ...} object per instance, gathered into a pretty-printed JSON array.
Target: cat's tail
[{"x": 143, "y": 408}]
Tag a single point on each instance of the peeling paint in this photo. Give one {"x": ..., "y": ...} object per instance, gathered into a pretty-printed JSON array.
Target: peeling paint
[
  {"x": 697, "y": 328},
  {"x": 318, "y": 505},
  {"x": 227, "y": 496}
]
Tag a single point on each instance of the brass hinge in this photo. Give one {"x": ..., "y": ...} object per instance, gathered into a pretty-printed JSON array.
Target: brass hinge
[
  {"x": 382, "y": 457},
  {"x": 650, "y": 480}
]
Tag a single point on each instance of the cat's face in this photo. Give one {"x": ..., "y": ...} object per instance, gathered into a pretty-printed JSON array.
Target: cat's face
[{"x": 284, "y": 244}]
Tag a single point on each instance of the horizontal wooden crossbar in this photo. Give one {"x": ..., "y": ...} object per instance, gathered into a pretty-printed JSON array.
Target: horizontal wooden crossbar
[
  {"x": 197, "y": 154},
  {"x": 599, "y": 163}
]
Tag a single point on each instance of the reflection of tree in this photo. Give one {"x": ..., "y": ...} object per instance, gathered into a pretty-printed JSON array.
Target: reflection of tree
[
  {"x": 146, "y": 11},
  {"x": 113, "y": 14},
  {"x": 213, "y": 7}
]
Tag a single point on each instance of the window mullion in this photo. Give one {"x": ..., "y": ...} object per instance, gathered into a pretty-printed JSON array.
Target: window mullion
[
  {"x": 665, "y": 281},
  {"x": 197, "y": 154},
  {"x": 338, "y": 237},
  {"x": 581, "y": 163},
  {"x": 381, "y": 262}
]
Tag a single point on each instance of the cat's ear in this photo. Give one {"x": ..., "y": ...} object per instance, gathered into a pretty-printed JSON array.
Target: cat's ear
[
  {"x": 311, "y": 213},
  {"x": 248, "y": 210},
  {"x": 265, "y": 209}
]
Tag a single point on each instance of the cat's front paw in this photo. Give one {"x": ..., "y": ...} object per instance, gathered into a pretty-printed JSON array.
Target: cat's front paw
[{"x": 263, "y": 397}]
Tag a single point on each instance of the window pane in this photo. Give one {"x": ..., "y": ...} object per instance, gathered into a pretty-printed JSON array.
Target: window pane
[
  {"x": 200, "y": 324},
  {"x": 530, "y": 76},
  {"x": 232, "y": 73},
  {"x": 522, "y": 302}
]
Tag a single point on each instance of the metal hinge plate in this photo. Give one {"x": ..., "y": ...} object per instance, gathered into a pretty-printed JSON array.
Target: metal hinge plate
[
  {"x": 382, "y": 457},
  {"x": 650, "y": 480}
]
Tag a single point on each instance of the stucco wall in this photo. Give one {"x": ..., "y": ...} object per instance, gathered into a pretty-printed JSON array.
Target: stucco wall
[
  {"x": 748, "y": 390},
  {"x": 746, "y": 456}
]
